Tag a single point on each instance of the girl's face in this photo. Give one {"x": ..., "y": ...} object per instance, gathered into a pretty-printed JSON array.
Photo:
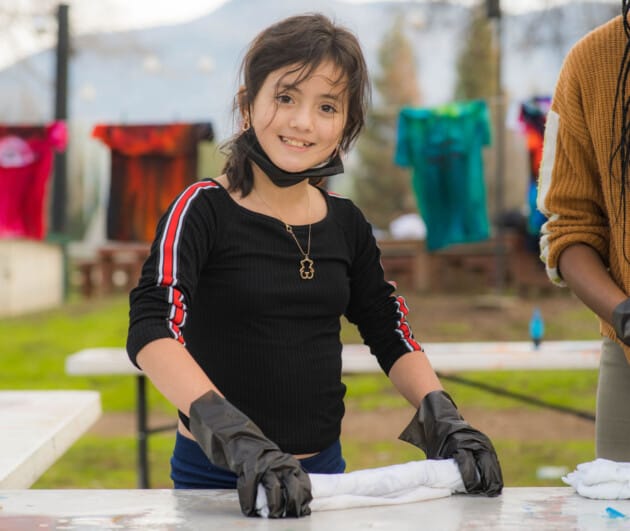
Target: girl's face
[{"x": 300, "y": 126}]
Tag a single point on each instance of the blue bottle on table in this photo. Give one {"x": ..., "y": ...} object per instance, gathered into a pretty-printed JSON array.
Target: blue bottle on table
[{"x": 536, "y": 328}]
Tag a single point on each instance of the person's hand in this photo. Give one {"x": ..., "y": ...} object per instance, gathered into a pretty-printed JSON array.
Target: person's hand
[
  {"x": 621, "y": 321},
  {"x": 441, "y": 432},
  {"x": 231, "y": 440}
]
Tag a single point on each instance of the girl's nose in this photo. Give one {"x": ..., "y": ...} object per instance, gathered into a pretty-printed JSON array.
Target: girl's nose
[{"x": 301, "y": 119}]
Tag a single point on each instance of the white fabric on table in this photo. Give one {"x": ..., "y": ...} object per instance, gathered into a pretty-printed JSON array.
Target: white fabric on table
[
  {"x": 601, "y": 479},
  {"x": 390, "y": 485}
]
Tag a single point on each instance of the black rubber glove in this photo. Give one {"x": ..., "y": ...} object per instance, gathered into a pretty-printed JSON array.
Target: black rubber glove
[
  {"x": 441, "y": 432},
  {"x": 231, "y": 440},
  {"x": 621, "y": 321}
]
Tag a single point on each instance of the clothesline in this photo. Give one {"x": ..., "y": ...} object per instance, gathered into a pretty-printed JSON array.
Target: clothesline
[{"x": 385, "y": 111}]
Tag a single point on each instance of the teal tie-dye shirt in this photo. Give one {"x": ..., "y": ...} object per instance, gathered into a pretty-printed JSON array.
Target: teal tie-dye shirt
[{"x": 443, "y": 146}]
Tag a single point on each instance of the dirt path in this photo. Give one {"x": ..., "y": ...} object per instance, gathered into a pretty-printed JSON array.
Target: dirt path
[
  {"x": 435, "y": 318},
  {"x": 516, "y": 424}
]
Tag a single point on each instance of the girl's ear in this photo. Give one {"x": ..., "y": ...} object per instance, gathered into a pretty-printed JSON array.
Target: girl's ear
[
  {"x": 243, "y": 102},
  {"x": 243, "y": 108}
]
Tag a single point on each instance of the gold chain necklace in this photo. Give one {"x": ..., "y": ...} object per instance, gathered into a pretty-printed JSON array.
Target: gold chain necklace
[{"x": 307, "y": 269}]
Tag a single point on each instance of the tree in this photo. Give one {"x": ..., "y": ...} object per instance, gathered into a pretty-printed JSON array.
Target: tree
[
  {"x": 476, "y": 78},
  {"x": 477, "y": 59},
  {"x": 383, "y": 189}
]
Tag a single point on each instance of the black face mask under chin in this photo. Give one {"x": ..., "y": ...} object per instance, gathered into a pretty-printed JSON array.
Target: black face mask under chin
[{"x": 278, "y": 176}]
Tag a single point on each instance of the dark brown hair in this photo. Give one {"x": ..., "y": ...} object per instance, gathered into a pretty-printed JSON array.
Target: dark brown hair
[
  {"x": 620, "y": 134},
  {"x": 305, "y": 41}
]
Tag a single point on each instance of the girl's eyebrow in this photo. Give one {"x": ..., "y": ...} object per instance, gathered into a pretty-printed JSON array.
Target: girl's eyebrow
[
  {"x": 288, "y": 86},
  {"x": 329, "y": 95}
]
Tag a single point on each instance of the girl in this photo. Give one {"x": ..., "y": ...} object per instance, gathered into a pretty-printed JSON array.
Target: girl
[{"x": 236, "y": 318}]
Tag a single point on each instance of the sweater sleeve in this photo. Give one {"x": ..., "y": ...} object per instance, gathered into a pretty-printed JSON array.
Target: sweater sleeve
[
  {"x": 570, "y": 190},
  {"x": 380, "y": 315},
  {"x": 184, "y": 238}
]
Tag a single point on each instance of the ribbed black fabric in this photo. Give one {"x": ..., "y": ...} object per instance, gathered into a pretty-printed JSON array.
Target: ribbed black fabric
[{"x": 268, "y": 339}]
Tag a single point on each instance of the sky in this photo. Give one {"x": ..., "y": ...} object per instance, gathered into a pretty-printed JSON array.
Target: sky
[
  {"x": 139, "y": 13},
  {"x": 118, "y": 14},
  {"x": 27, "y": 26}
]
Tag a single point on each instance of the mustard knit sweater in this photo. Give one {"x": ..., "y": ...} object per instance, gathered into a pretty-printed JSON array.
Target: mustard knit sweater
[{"x": 575, "y": 191}]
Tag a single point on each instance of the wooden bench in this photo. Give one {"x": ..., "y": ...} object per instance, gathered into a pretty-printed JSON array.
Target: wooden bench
[
  {"x": 113, "y": 266},
  {"x": 405, "y": 262},
  {"x": 465, "y": 267},
  {"x": 527, "y": 271},
  {"x": 474, "y": 266}
]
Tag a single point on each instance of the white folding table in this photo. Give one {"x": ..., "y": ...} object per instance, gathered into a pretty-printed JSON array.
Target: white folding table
[
  {"x": 539, "y": 508},
  {"x": 37, "y": 428}
]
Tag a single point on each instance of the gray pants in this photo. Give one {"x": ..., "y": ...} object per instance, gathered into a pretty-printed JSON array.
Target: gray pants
[{"x": 612, "y": 425}]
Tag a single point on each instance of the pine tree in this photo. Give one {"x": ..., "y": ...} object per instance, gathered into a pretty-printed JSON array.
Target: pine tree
[
  {"x": 476, "y": 78},
  {"x": 477, "y": 59},
  {"x": 383, "y": 189}
]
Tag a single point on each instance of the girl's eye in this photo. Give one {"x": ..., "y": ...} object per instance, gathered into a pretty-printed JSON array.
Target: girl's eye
[
  {"x": 283, "y": 98},
  {"x": 328, "y": 108}
]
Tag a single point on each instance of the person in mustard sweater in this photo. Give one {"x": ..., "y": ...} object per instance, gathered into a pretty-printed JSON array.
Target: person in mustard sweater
[{"x": 583, "y": 190}]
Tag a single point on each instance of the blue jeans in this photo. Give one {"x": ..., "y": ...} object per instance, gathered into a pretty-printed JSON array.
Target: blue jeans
[{"x": 191, "y": 469}]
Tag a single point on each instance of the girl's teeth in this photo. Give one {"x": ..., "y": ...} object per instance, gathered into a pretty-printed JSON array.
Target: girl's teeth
[{"x": 294, "y": 143}]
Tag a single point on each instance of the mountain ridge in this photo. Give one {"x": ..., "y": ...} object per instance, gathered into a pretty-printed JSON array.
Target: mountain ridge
[{"x": 188, "y": 71}]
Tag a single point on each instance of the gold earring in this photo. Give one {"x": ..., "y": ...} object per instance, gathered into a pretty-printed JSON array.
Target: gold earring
[{"x": 246, "y": 124}]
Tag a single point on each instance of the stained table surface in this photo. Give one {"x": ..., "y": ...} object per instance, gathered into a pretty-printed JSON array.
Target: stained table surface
[{"x": 518, "y": 508}]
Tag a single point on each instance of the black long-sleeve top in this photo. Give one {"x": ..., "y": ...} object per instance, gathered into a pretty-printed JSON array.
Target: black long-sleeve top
[{"x": 225, "y": 281}]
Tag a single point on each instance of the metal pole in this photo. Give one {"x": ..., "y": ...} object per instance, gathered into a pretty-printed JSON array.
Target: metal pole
[
  {"x": 142, "y": 433},
  {"x": 58, "y": 206},
  {"x": 494, "y": 12}
]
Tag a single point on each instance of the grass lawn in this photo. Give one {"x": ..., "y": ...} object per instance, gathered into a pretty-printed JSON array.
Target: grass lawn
[{"x": 33, "y": 356}]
